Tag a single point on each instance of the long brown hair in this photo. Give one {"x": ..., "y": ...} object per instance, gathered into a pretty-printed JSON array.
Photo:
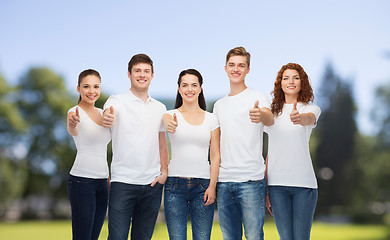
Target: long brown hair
[{"x": 305, "y": 94}]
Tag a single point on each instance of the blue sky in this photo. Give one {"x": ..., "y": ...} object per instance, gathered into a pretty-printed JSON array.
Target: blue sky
[{"x": 70, "y": 36}]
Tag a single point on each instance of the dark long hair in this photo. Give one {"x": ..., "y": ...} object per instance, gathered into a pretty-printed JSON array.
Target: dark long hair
[
  {"x": 201, "y": 100},
  {"x": 85, "y": 73}
]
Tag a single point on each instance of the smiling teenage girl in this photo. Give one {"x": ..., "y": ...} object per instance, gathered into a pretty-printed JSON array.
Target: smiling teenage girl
[
  {"x": 291, "y": 178},
  {"x": 191, "y": 184},
  {"x": 88, "y": 178}
]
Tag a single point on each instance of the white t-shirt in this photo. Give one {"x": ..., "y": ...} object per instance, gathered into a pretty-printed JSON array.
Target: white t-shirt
[
  {"x": 241, "y": 140},
  {"x": 289, "y": 162},
  {"x": 91, "y": 143},
  {"x": 135, "y": 138},
  {"x": 189, "y": 147}
]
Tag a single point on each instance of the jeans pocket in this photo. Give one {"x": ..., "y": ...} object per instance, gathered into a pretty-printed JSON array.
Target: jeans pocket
[
  {"x": 204, "y": 184},
  {"x": 170, "y": 186}
]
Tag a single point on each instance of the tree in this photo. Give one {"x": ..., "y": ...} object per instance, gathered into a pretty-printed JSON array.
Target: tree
[
  {"x": 336, "y": 140},
  {"x": 12, "y": 168},
  {"x": 43, "y": 101}
]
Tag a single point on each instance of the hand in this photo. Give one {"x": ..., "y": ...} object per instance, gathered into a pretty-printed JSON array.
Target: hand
[
  {"x": 268, "y": 204},
  {"x": 172, "y": 124},
  {"x": 160, "y": 179},
  {"x": 255, "y": 113},
  {"x": 109, "y": 117},
  {"x": 295, "y": 117},
  {"x": 74, "y": 118},
  {"x": 209, "y": 196}
]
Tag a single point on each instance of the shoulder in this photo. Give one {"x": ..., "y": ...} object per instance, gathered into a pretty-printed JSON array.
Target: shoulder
[
  {"x": 310, "y": 108},
  {"x": 158, "y": 104}
]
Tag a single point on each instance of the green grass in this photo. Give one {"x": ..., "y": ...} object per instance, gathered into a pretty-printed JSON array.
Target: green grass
[{"x": 61, "y": 230}]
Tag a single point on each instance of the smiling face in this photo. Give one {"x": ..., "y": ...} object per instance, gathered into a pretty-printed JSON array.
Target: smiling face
[
  {"x": 291, "y": 83},
  {"x": 140, "y": 76},
  {"x": 89, "y": 89},
  {"x": 237, "y": 69},
  {"x": 189, "y": 88}
]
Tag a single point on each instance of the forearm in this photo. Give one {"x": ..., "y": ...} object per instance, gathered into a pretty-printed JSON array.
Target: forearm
[
  {"x": 163, "y": 153},
  {"x": 214, "y": 169},
  {"x": 268, "y": 117},
  {"x": 308, "y": 119}
]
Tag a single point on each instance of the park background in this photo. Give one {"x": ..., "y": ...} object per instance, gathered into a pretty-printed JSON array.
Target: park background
[{"x": 343, "y": 46}]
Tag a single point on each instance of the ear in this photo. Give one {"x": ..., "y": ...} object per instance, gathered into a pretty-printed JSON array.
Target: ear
[
  {"x": 248, "y": 70},
  {"x": 78, "y": 89},
  {"x": 128, "y": 74}
]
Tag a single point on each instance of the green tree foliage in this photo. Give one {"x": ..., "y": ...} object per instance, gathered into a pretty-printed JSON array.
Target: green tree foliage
[
  {"x": 44, "y": 100},
  {"x": 12, "y": 168},
  {"x": 336, "y": 140}
]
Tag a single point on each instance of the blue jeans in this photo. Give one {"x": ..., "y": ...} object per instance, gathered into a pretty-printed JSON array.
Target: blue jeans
[
  {"x": 88, "y": 200},
  {"x": 241, "y": 203},
  {"x": 182, "y": 197},
  {"x": 293, "y": 210},
  {"x": 135, "y": 204}
]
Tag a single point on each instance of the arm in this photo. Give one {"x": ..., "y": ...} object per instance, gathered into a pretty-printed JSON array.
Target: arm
[
  {"x": 267, "y": 201},
  {"x": 215, "y": 159},
  {"x": 263, "y": 115},
  {"x": 163, "y": 159},
  {"x": 304, "y": 119},
  {"x": 72, "y": 123},
  {"x": 267, "y": 116}
]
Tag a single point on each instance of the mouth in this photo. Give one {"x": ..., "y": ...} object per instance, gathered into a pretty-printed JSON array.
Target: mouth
[
  {"x": 291, "y": 87},
  {"x": 91, "y": 97},
  {"x": 141, "y": 81},
  {"x": 236, "y": 74},
  {"x": 189, "y": 94}
]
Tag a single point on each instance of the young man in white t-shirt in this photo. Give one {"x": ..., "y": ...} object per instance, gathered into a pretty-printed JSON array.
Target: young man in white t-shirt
[
  {"x": 139, "y": 165},
  {"x": 241, "y": 186}
]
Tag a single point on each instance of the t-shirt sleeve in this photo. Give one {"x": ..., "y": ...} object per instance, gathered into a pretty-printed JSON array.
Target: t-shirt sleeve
[
  {"x": 263, "y": 101},
  {"x": 111, "y": 101},
  {"x": 215, "y": 111},
  {"x": 162, "y": 128},
  {"x": 214, "y": 124}
]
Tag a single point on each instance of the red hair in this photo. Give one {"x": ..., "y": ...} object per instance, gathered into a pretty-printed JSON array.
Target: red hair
[{"x": 305, "y": 94}]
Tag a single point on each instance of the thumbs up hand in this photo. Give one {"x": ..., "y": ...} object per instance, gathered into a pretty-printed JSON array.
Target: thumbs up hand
[
  {"x": 74, "y": 118},
  {"x": 109, "y": 117},
  {"x": 172, "y": 124},
  {"x": 295, "y": 117},
  {"x": 255, "y": 113}
]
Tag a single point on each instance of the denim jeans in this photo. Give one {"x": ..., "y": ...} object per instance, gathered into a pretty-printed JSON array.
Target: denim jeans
[
  {"x": 182, "y": 197},
  {"x": 135, "y": 204},
  {"x": 241, "y": 203},
  {"x": 293, "y": 210},
  {"x": 88, "y": 200}
]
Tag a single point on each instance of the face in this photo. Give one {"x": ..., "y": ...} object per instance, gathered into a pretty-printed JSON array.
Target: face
[
  {"x": 237, "y": 68},
  {"x": 291, "y": 83},
  {"x": 89, "y": 89},
  {"x": 190, "y": 88},
  {"x": 140, "y": 76}
]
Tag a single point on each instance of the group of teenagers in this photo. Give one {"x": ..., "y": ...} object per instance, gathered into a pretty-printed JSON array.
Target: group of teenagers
[{"x": 215, "y": 157}]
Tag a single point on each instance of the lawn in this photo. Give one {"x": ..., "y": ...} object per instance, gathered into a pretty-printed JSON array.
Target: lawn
[{"x": 61, "y": 230}]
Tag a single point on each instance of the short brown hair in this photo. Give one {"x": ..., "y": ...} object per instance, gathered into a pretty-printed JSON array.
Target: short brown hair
[
  {"x": 140, "y": 58},
  {"x": 239, "y": 51}
]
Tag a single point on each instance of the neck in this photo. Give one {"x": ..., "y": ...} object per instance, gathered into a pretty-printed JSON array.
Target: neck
[
  {"x": 86, "y": 106},
  {"x": 236, "y": 88},
  {"x": 190, "y": 107},
  {"x": 290, "y": 99},
  {"x": 141, "y": 94}
]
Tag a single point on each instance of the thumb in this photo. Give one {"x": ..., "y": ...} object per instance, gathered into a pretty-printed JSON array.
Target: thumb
[
  {"x": 174, "y": 117},
  {"x": 295, "y": 106},
  {"x": 77, "y": 112},
  {"x": 256, "y": 104},
  {"x": 112, "y": 110}
]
